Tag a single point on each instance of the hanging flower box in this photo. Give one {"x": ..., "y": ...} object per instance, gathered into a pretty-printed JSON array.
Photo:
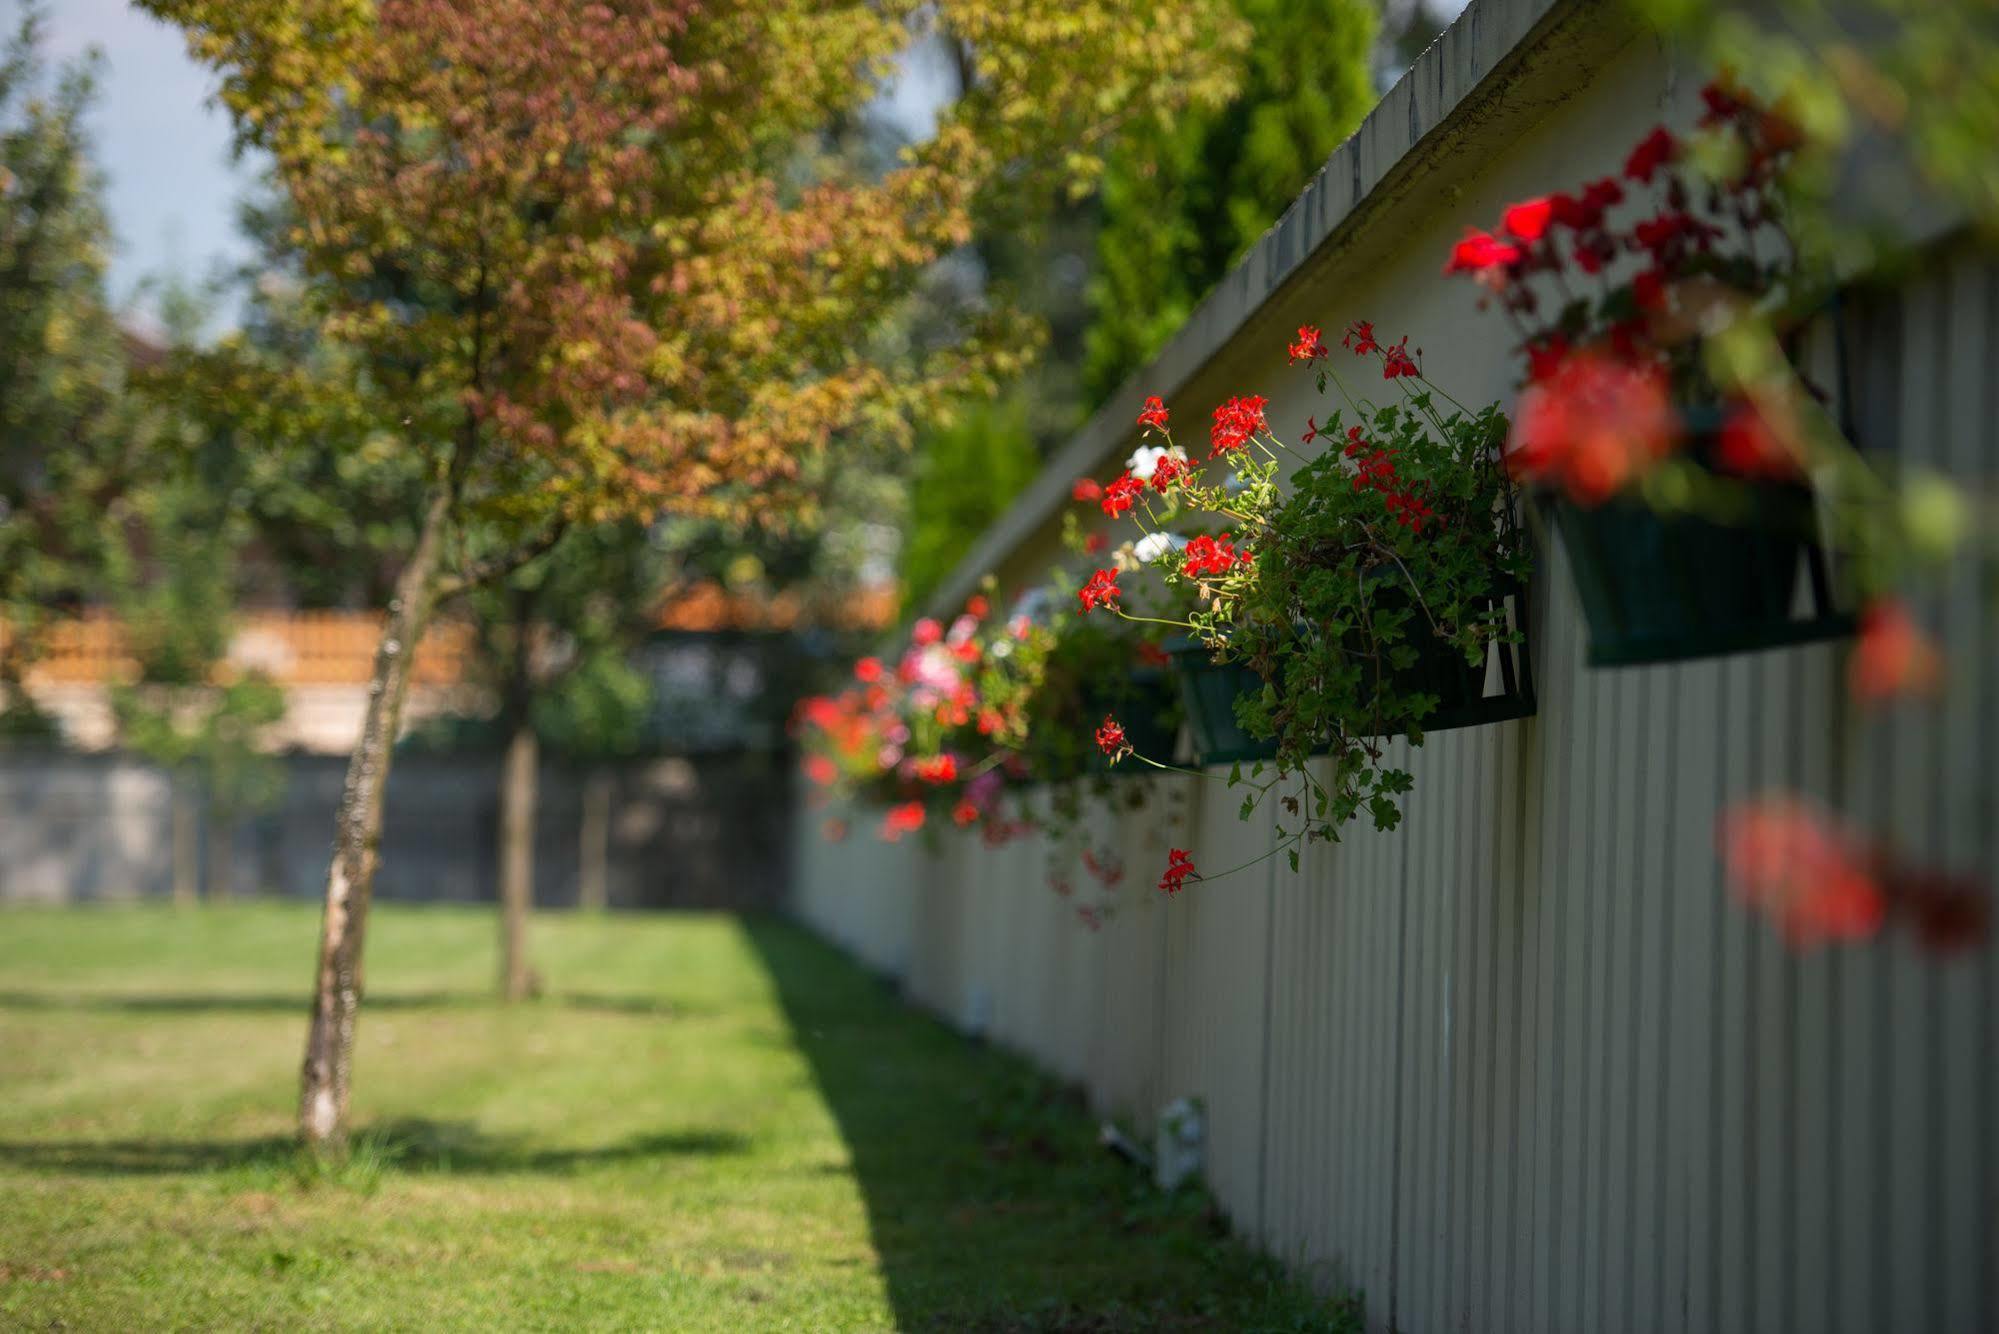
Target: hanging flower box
[
  {"x": 1210, "y": 690},
  {"x": 1657, "y": 586}
]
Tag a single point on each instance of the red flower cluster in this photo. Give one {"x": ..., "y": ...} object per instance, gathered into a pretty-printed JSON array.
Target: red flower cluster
[
  {"x": 1593, "y": 424},
  {"x": 1642, "y": 322},
  {"x": 1154, "y": 416},
  {"x": 1167, "y": 471},
  {"x": 1790, "y": 861},
  {"x": 1235, "y": 422},
  {"x": 1085, "y": 490},
  {"x": 1657, "y": 149},
  {"x": 906, "y": 818},
  {"x": 1309, "y": 347},
  {"x": 1396, "y": 361},
  {"x": 1100, "y": 590},
  {"x": 1480, "y": 252},
  {"x": 1213, "y": 556},
  {"x": 1122, "y": 494},
  {"x": 1179, "y": 866},
  {"x": 1375, "y": 469},
  {"x": 1360, "y": 338},
  {"x": 868, "y": 670},
  {"x": 1111, "y": 740},
  {"x": 1892, "y": 656},
  {"x": 936, "y": 769}
]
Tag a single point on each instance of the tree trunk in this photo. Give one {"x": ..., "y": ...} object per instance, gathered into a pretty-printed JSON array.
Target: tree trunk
[
  {"x": 517, "y": 812},
  {"x": 187, "y": 841},
  {"x": 594, "y": 857},
  {"x": 350, "y": 879}
]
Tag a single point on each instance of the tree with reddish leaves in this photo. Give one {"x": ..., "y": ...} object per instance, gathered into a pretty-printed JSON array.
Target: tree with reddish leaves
[{"x": 597, "y": 257}]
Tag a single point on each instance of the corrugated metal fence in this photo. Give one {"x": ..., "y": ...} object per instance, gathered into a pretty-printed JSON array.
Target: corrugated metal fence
[{"x": 1522, "y": 1065}]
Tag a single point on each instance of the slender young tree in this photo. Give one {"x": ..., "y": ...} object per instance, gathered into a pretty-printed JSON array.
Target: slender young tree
[{"x": 598, "y": 261}]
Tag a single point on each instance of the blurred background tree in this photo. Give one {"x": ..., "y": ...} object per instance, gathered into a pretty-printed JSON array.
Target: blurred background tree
[
  {"x": 1110, "y": 278},
  {"x": 170, "y": 572},
  {"x": 63, "y": 442}
]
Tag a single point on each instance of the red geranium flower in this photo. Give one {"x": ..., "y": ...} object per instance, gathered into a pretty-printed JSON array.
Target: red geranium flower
[
  {"x": 976, "y": 606},
  {"x": 1892, "y": 655},
  {"x": 1154, "y": 416},
  {"x": 1086, "y": 489},
  {"x": 937, "y": 769},
  {"x": 1752, "y": 445},
  {"x": 821, "y": 770},
  {"x": 868, "y": 670},
  {"x": 964, "y": 813},
  {"x": 1592, "y": 424},
  {"x": 1235, "y": 422},
  {"x": 1167, "y": 471},
  {"x": 1309, "y": 347},
  {"x": 1654, "y": 151},
  {"x": 1110, "y": 739},
  {"x": 1529, "y": 220},
  {"x": 926, "y": 632},
  {"x": 904, "y": 819},
  {"x": 1396, "y": 362},
  {"x": 1213, "y": 555},
  {"x": 1790, "y": 861},
  {"x": 1360, "y": 337},
  {"x": 1101, "y": 590},
  {"x": 1480, "y": 251},
  {"x": 1179, "y": 866},
  {"x": 1122, "y": 494}
]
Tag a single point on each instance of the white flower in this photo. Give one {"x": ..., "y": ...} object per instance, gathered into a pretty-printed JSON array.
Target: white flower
[
  {"x": 1144, "y": 461},
  {"x": 1154, "y": 545}
]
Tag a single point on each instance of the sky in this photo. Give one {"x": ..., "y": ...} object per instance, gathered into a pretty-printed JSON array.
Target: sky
[{"x": 171, "y": 186}]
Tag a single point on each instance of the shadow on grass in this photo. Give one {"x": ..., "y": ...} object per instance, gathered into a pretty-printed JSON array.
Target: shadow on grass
[
  {"x": 299, "y": 1003},
  {"x": 991, "y": 1205},
  {"x": 410, "y": 1146}
]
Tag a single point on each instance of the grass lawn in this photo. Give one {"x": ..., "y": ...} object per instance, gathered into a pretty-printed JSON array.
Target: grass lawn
[{"x": 708, "y": 1124}]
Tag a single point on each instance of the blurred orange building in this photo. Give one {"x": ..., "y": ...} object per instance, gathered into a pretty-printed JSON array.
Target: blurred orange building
[{"x": 323, "y": 660}]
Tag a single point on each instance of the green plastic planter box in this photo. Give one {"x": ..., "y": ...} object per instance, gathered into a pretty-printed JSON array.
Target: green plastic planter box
[{"x": 1670, "y": 587}]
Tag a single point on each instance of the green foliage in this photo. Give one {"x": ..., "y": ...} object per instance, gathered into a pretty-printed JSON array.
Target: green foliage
[
  {"x": 1920, "y": 75},
  {"x": 61, "y": 359},
  {"x": 172, "y": 576},
  {"x": 966, "y": 474},
  {"x": 1180, "y": 208}
]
